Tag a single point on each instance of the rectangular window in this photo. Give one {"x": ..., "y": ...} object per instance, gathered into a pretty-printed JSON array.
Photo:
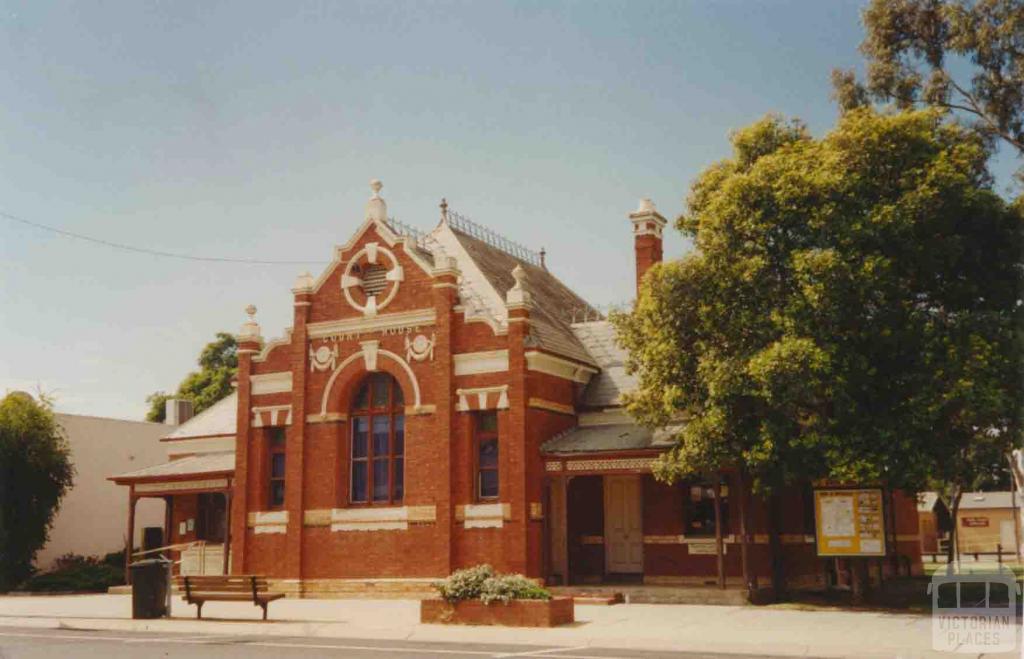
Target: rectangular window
[
  {"x": 276, "y": 450},
  {"x": 700, "y": 509},
  {"x": 485, "y": 435}
]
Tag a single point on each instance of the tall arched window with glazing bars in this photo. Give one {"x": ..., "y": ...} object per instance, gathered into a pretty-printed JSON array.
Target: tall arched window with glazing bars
[{"x": 377, "y": 426}]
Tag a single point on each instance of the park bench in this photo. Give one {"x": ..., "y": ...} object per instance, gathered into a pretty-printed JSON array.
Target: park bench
[{"x": 201, "y": 589}]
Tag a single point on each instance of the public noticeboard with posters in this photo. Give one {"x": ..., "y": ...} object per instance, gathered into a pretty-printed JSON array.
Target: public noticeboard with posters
[{"x": 849, "y": 522}]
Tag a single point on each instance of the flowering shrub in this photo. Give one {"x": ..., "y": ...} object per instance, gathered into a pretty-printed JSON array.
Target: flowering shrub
[
  {"x": 464, "y": 584},
  {"x": 481, "y": 582},
  {"x": 507, "y": 587}
]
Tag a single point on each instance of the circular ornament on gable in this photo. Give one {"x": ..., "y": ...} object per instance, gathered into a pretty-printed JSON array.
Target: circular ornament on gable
[
  {"x": 323, "y": 354},
  {"x": 371, "y": 279}
]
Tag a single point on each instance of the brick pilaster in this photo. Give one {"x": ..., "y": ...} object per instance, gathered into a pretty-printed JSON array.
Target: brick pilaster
[
  {"x": 249, "y": 343},
  {"x": 295, "y": 450},
  {"x": 445, "y": 295},
  {"x": 512, "y": 450}
]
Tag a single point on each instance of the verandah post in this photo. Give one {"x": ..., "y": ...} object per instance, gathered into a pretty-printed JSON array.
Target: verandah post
[
  {"x": 226, "y": 546},
  {"x": 129, "y": 542}
]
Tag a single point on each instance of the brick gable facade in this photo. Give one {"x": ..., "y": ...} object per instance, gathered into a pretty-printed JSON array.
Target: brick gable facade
[{"x": 467, "y": 325}]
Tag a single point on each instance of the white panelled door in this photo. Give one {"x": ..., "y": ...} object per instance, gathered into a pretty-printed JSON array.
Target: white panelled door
[{"x": 623, "y": 526}]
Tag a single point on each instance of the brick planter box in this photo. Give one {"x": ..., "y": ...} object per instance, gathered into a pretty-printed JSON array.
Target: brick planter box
[{"x": 517, "y": 613}]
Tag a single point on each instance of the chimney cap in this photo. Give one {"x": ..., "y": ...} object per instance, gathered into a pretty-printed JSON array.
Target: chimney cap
[{"x": 646, "y": 210}]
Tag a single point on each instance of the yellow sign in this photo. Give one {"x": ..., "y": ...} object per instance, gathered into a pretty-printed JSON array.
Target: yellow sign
[{"x": 849, "y": 522}]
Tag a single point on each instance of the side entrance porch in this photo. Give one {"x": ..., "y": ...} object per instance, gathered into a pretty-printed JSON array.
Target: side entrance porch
[
  {"x": 612, "y": 523},
  {"x": 196, "y": 491}
]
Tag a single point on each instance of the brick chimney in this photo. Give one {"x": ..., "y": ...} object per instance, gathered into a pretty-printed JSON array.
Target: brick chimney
[{"x": 647, "y": 226}]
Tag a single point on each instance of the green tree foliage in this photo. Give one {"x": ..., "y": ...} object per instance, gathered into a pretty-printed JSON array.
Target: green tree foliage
[
  {"x": 911, "y": 44},
  {"x": 35, "y": 473},
  {"x": 218, "y": 363},
  {"x": 848, "y": 312}
]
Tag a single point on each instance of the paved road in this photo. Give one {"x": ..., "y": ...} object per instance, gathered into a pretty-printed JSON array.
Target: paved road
[{"x": 34, "y": 643}]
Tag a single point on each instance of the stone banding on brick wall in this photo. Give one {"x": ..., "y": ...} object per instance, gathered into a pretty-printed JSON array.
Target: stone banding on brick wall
[
  {"x": 268, "y": 521},
  {"x": 271, "y": 383},
  {"x": 483, "y": 515},
  {"x": 485, "y": 361}
]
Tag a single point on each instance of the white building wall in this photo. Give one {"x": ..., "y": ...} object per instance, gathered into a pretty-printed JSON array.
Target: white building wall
[{"x": 93, "y": 516}]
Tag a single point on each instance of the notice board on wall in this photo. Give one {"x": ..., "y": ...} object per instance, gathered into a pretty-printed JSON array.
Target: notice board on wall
[{"x": 849, "y": 522}]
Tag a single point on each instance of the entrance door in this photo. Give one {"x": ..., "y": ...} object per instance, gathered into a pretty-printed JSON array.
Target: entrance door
[{"x": 623, "y": 527}]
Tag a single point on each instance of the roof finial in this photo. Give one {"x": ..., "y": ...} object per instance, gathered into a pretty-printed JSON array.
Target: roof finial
[
  {"x": 376, "y": 208},
  {"x": 444, "y": 211},
  {"x": 519, "y": 274},
  {"x": 543, "y": 253},
  {"x": 250, "y": 328},
  {"x": 518, "y": 297}
]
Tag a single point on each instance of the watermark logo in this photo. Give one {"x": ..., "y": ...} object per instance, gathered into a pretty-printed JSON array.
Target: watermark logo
[{"x": 974, "y": 613}]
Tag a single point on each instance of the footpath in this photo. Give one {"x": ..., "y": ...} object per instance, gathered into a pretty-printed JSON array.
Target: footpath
[{"x": 656, "y": 627}]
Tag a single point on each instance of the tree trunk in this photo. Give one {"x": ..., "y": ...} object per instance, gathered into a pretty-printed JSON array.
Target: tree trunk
[
  {"x": 749, "y": 578},
  {"x": 952, "y": 550}
]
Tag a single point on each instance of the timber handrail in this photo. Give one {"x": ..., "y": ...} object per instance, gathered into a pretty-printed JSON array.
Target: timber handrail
[{"x": 181, "y": 546}]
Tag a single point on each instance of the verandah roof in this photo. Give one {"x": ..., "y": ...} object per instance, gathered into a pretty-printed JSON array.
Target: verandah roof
[
  {"x": 610, "y": 438},
  {"x": 194, "y": 465}
]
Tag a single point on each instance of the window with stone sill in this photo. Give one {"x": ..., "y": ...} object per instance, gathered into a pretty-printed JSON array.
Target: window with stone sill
[
  {"x": 485, "y": 441},
  {"x": 377, "y": 442},
  {"x": 276, "y": 467}
]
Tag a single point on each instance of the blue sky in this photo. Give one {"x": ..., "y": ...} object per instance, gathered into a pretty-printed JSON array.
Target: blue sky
[{"x": 251, "y": 129}]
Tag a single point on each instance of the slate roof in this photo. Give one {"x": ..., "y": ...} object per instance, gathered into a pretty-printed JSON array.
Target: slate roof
[
  {"x": 195, "y": 465},
  {"x": 980, "y": 500},
  {"x": 218, "y": 419},
  {"x": 554, "y": 302},
  {"x": 611, "y": 437},
  {"x": 606, "y": 388}
]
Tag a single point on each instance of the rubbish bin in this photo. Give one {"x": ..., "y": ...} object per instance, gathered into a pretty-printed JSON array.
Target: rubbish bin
[{"x": 149, "y": 588}]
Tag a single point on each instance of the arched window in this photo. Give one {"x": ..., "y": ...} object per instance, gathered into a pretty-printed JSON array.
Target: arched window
[{"x": 378, "y": 441}]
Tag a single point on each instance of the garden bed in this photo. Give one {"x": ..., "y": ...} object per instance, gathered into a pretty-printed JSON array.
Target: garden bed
[
  {"x": 480, "y": 596},
  {"x": 516, "y": 613}
]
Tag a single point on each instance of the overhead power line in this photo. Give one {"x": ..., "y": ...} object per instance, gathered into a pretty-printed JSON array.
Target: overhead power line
[{"x": 153, "y": 252}]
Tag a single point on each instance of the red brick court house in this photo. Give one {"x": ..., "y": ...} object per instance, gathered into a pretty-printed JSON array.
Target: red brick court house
[{"x": 443, "y": 400}]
